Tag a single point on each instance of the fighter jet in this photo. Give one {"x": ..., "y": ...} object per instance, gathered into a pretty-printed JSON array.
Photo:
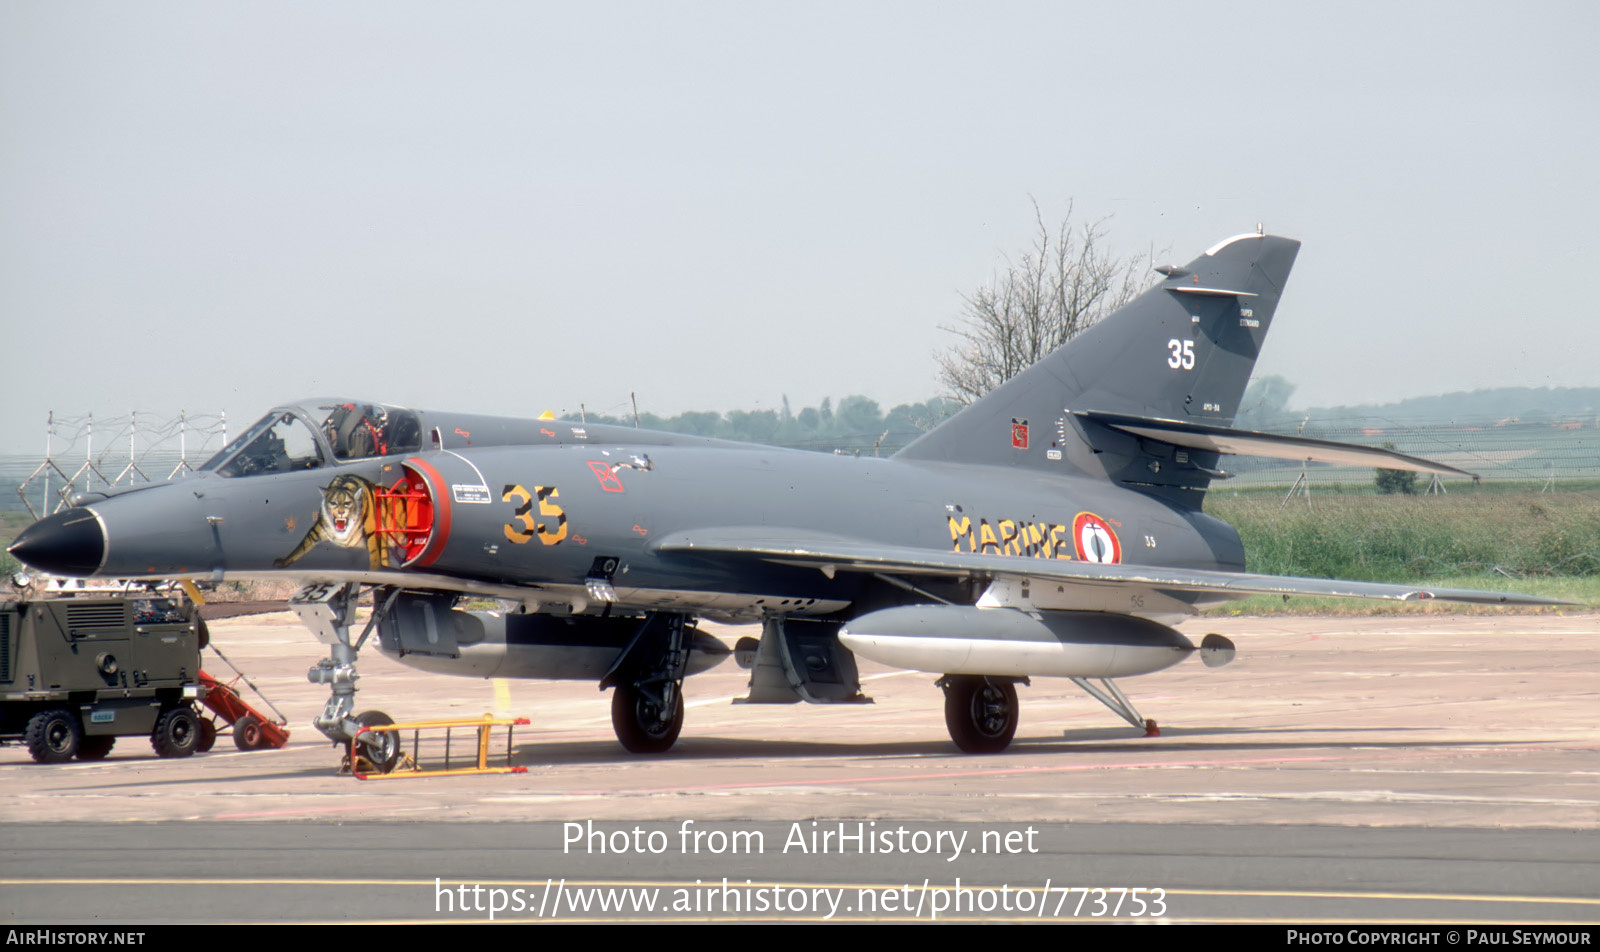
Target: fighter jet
[{"x": 1054, "y": 527}]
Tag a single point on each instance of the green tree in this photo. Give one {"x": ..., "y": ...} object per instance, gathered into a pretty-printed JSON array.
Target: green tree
[
  {"x": 1065, "y": 283},
  {"x": 1390, "y": 481},
  {"x": 1265, "y": 403}
]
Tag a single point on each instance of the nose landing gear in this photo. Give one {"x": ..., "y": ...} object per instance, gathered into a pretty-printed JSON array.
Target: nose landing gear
[{"x": 329, "y": 610}]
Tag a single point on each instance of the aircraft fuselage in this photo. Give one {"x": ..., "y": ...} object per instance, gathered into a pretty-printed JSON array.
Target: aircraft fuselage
[{"x": 547, "y": 519}]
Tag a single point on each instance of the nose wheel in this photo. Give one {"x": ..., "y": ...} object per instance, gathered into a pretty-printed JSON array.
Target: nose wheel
[{"x": 381, "y": 749}]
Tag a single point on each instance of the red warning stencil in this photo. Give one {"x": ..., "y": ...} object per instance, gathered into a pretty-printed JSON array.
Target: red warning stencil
[{"x": 608, "y": 480}]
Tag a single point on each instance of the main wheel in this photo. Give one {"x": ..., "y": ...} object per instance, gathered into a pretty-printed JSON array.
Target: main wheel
[
  {"x": 641, "y": 725},
  {"x": 247, "y": 732},
  {"x": 96, "y": 748},
  {"x": 980, "y": 712},
  {"x": 53, "y": 736},
  {"x": 177, "y": 732},
  {"x": 382, "y": 749}
]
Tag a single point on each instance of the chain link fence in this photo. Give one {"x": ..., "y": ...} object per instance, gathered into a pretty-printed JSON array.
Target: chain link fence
[{"x": 86, "y": 452}]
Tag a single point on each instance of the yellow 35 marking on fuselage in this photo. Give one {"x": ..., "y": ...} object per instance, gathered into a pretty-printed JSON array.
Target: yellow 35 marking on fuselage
[{"x": 523, "y": 515}]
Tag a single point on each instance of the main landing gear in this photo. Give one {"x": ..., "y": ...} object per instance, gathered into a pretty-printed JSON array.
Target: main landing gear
[
  {"x": 645, "y": 721},
  {"x": 647, "y": 678},
  {"x": 981, "y": 711}
]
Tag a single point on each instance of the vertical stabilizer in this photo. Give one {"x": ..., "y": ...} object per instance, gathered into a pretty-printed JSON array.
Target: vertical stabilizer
[{"x": 1182, "y": 350}]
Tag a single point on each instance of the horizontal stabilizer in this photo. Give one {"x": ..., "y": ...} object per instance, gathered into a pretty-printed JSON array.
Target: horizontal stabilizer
[
  {"x": 1222, "y": 439},
  {"x": 1185, "y": 289}
]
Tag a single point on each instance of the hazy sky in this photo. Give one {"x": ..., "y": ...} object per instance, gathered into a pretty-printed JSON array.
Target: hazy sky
[{"x": 513, "y": 207}]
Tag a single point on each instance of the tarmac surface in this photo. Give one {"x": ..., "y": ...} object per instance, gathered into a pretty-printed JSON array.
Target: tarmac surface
[{"x": 1426, "y": 768}]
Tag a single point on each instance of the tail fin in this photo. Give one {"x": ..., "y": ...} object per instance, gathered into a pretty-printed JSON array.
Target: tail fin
[{"x": 1182, "y": 350}]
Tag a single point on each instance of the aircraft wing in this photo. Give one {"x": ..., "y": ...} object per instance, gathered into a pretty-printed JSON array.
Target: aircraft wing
[{"x": 831, "y": 554}]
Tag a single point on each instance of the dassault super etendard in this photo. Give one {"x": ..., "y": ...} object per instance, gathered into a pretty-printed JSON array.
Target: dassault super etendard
[{"x": 1052, "y": 528}]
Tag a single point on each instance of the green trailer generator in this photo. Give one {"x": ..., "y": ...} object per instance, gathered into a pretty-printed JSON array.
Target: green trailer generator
[{"x": 78, "y": 670}]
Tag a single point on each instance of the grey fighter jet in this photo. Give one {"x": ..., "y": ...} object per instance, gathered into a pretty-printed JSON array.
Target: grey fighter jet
[{"x": 1053, "y": 528}]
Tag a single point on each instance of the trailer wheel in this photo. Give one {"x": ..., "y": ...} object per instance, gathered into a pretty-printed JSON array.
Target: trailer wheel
[
  {"x": 53, "y": 736},
  {"x": 177, "y": 732},
  {"x": 247, "y": 732},
  {"x": 95, "y": 748}
]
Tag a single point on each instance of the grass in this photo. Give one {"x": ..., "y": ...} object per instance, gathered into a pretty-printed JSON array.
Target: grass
[
  {"x": 1545, "y": 544},
  {"x": 1415, "y": 538}
]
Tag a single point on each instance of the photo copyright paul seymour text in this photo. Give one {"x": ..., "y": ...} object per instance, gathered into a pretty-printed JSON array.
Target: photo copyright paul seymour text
[{"x": 1437, "y": 937}]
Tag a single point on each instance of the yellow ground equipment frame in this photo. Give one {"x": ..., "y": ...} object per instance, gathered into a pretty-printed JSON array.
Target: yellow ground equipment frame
[{"x": 430, "y": 756}]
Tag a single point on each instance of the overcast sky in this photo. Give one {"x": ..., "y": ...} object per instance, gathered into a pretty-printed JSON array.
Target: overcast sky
[{"x": 513, "y": 207}]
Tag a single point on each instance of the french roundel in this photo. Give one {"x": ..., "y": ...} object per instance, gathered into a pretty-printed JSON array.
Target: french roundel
[{"x": 1095, "y": 540}]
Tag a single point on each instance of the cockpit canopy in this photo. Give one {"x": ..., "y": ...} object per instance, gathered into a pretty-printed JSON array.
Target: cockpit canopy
[{"x": 318, "y": 433}]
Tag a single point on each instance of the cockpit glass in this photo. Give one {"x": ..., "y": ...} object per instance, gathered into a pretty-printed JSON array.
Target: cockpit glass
[
  {"x": 283, "y": 441},
  {"x": 278, "y": 443},
  {"x": 362, "y": 430}
]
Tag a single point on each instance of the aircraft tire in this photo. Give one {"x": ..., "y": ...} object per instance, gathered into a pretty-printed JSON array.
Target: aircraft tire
[
  {"x": 177, "y": 732},
  {"x": 53, "y": 736},
  {"x": 95, "y": 748},
  {"x": 247, "y": 732},
  {"x": 386, "y": 754},
  {"x": 981, "y": 713},
  {"x": 638, "y": 724}
]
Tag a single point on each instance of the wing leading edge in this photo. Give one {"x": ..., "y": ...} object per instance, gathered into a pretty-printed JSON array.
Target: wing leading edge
[{"x": 831, "y": 554}]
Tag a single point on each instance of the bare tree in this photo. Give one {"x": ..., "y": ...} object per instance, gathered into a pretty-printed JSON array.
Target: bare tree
[{"x": 1065, "y": 283}]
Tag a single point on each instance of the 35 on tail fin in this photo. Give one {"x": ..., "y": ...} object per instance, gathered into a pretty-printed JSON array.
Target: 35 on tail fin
[{"x": 1182, "y": 350}]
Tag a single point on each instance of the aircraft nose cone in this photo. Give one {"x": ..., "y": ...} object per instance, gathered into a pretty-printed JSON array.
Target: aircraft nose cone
[{"x": 67, "y": 543}]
